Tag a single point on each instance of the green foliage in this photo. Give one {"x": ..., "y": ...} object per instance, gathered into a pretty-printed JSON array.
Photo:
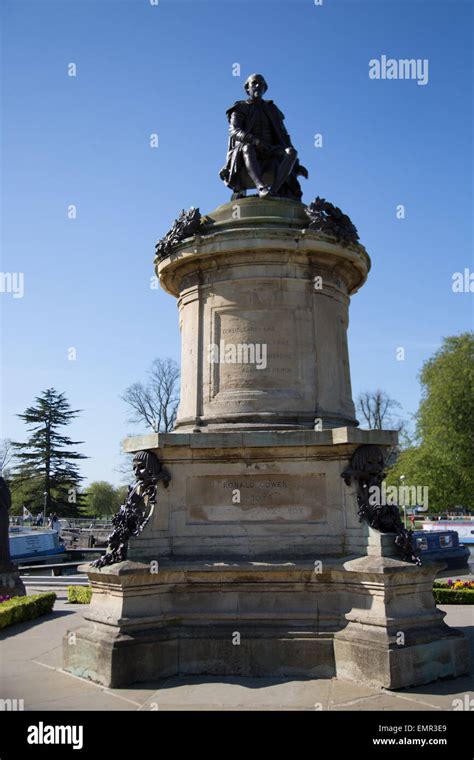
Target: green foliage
[
  {"x": 122, "y": 493},
  {"x": 22, "y": 608},
  {"x": 103, "y": 499},
  {"x": 79, "y": 594},
  {"x": 45, "y": 463},
  {"x": 442, "y": 453},
  {"x": 453, "y": 596},
  {"x": 25, "y": 493}
]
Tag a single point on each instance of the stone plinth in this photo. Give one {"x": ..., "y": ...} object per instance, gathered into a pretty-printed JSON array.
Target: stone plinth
[
  {"x": 248, "y": 494},
  {"x": 371, "y": 619},
  {"x": 263, "y": 309},
  {"x": 394, "y": 635},
  {"x": 10, "y": 581},
  {"x": 285, "y": 581}
]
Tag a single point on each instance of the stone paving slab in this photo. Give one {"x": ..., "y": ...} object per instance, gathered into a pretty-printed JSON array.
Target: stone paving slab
[
  {"x": 206, "y": 692},
  {"x": 31, "y": 659}
]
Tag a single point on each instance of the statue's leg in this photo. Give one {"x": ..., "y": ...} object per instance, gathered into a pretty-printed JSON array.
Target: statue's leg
[
  {"x": 284, "y": 169},
  {"x": 238, "y": 194},
  {"x": 252, "y": 165}
]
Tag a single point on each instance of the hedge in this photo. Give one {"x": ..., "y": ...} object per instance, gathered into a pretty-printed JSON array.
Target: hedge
[
  {"x": 79, "y": 594},
  {"x": 21, "y": 608},
  {"x": 453, "y": 596}
]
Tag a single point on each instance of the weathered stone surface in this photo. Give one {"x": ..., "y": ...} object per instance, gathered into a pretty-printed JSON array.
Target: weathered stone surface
[
  {"x": 32, "y": 671},
  {"x": 343, "y": 617},
  {"x": 268, "y": 438},
  {"x": 11, "y": 583},
  {"x": 333, "y": 601},
  {"x": 260, "y": 494},
  {"x": 256, "y": 280}
]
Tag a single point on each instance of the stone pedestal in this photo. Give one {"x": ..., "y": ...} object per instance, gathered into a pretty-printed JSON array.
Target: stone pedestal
[
  {"x": 10, "y": 581},
  {"x": 393, "y": 635},
  {"x": 253, "y": 561},
  {"x": 257, "y": 495},
  {"x": 368, "y": 619},
  {"x": 285, "y": 581},
  {"x": 258, "y": 279}
]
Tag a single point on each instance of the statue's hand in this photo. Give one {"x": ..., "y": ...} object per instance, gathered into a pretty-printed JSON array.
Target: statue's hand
[
  {"x": 261, "y": 144},
  {"x": 302, "y": 171}
]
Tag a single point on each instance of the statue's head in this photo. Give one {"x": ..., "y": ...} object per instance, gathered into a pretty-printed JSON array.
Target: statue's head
[
  {"x": 146, "y": 466},
  {"x": 368, "y": 458},
  {"x": 255, "y": 85}
]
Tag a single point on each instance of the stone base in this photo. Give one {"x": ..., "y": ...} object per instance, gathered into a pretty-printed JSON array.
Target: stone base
[
  {"x": 395, "y": 636},
  {"x": 10, "y": 582},
  {"x": 255, "y": 495},
  {"x": 162, "y": 653},
  {"x": 397, "y": 667},
  {"x": 371, "y": 619},
  {"x": 254, "y": 563}
]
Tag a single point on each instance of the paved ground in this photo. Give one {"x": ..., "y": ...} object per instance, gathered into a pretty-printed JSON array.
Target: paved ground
[{"x": 30, "y": 666}]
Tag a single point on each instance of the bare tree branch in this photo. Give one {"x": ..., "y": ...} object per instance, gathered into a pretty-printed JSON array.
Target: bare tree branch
[
  {"x": 156, "y": 403},
  {"x": 377, "y": 411},
  {"x": 7, "y": 454}
]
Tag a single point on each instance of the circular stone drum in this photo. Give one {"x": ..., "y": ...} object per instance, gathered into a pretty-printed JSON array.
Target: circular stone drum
[{"x": 263, "y": 305}]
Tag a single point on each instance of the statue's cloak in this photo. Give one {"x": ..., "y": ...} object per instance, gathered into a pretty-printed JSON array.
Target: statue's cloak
[{"x": 234, "y": 173}]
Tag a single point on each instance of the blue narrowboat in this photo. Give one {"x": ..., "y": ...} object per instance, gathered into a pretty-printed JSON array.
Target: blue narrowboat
[
  {"x": 442, "y": 546},
  {"x": 27, "y": 545}
]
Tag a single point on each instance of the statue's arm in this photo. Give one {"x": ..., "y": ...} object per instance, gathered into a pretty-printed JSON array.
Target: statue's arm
[{"x": 236, "y": 127}]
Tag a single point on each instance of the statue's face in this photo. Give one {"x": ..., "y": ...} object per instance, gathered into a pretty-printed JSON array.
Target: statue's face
[
  {"x": 374, "y": 463},
  {"x": 255, "y": 87},
  {"x": 140, "y": 470}
]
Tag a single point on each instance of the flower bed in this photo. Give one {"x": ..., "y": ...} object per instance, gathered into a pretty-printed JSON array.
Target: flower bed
[
  {"x": 17, "y": 609},
  {"x": 79, "y": 594},
  {"x": 453, "y": 592}
]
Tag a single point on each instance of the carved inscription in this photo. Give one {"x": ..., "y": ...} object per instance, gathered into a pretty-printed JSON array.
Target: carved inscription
[
  {"x": 255, "y": 350},
  {"x": 257, "y": 498}
]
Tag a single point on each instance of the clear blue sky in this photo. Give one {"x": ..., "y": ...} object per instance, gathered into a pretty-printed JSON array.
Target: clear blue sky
[{"x": 168, "y": 69}]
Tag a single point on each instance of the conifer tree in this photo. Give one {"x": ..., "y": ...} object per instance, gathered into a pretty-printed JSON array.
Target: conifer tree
[{"x": 45, "y": 463}]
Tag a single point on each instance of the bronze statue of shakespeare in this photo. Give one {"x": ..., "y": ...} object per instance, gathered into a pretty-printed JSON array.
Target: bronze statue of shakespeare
[{"x": 260, "y": 154}]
